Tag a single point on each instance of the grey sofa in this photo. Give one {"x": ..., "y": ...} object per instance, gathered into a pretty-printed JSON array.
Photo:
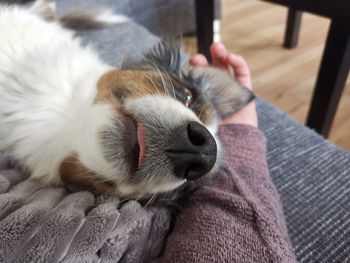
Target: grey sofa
[{"x": 311, "y": 174}]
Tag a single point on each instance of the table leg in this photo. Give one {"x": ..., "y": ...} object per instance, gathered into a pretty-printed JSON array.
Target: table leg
[
  {"x": 292, "y": 29},
  {"x": 331, "y": 78},
  {"x": 204, "y": 20}
]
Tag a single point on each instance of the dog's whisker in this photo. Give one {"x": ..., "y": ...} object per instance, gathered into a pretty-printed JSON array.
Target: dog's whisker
[
  {"x": 149, "y": 202},
  {"x": 115, "y": 75},
  {"x": 73, "y": 162},
  {"x": 172, "y": 84},
  {"x": 168, "y": 77},
  {"x": 154, "y": 84},
  {"x": 160, "y": 72},
  {"x": 200, "y": 113},
  {"x": 83, "y": 173},
  {"x": 163, "y": 81}
]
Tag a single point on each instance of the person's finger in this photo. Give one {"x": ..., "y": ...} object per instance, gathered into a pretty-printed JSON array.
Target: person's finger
[
  {"x": 239, "y": 64},
  {"x": 199, "y": 60},
  {"x": 219, "y": 55},
  {"x": 241, "y": 69}
]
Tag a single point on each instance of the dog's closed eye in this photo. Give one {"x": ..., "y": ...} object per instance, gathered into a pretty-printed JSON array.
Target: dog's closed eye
[{"x": 120, "y": 94}]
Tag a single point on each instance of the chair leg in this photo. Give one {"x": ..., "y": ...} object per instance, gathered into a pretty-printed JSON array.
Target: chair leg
[
  {"x": 331, "y": 78},
  {"x": 292, "y": 29},
  {"x": 204, "y": 20}
]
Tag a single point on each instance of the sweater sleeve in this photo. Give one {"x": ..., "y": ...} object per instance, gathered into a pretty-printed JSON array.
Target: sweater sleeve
[{"x": 238, "y": 218}]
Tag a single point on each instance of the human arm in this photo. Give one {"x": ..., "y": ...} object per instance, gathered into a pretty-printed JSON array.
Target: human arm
[{"x": 238, "y": 218}]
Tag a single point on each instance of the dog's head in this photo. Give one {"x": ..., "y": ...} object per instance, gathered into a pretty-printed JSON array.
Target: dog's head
[{"x": 159, "y": 127}]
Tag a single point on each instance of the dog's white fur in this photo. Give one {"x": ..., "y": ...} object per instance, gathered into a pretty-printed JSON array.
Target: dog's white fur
[{"x": 47, "y": 87}]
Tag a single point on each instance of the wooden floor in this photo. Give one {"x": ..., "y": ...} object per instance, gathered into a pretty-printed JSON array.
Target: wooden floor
[{"x": 285, "y": 78}]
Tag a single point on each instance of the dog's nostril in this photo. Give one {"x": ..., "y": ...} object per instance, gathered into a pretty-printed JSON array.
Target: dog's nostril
[
  {"x": 195, "y": 135},
  {"x": 193, "y": 152}
]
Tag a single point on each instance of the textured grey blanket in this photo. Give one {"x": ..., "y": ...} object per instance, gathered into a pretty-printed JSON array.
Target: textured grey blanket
[
  {"x": 49, "y": 224},
  {"x": 40, "y": 224}
]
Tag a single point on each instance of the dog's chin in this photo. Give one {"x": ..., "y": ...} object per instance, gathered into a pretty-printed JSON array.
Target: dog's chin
[{"x": 148, "y": 188}]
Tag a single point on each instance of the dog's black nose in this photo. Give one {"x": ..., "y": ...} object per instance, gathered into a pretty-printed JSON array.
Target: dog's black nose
[{"x": 193, "y": 151}]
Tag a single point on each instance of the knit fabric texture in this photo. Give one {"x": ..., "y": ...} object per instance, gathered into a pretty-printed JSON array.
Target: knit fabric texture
[
  {"x": 238, "y": 218},
  {"x": 312, "y": 176}
]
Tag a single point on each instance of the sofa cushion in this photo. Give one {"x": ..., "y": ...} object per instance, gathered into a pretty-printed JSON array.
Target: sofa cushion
[
  {"x": 312, "y": 176},
  {"x": 163, "y": 18}
]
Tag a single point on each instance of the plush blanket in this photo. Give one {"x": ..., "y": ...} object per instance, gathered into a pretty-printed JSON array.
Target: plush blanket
[{"x": 39, "y": 224}]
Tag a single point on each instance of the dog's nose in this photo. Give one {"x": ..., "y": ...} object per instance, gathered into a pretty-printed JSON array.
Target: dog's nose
[{"x": 193, "y": 151}]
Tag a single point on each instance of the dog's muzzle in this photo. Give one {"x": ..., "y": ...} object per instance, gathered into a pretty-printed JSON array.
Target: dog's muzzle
[{"x": 193, "y": 151}]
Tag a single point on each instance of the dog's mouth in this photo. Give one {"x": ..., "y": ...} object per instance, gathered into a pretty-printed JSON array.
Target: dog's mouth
[
  {"x": 140, "y": 131},
  {"x": 137, "y": 142}
]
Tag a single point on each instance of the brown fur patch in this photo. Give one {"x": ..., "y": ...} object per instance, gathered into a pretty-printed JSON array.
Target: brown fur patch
[
  {"x": 82, "y": 18},
  {"x": 116, "y": 85},
  {"x": 72, "y": 171}
]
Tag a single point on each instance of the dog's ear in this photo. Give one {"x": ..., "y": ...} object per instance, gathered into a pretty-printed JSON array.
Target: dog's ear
[
  {"x": 223, "y": 91},
  {"x": 225, "y": 94},
  {"x": 165, "y": 56}
]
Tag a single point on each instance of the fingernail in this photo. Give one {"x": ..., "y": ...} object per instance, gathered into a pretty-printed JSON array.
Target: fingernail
[
  {"x": 221, "y": 50},
  {"x": 193, "y": 60},
  {"x": 198, "y": 60}
]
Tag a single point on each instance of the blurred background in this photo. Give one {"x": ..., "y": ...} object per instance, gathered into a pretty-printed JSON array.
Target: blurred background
[{"x": 284, "y": 77}]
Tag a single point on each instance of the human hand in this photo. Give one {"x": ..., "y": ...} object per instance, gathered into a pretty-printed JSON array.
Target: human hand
[{"x": 225, "y": 60}]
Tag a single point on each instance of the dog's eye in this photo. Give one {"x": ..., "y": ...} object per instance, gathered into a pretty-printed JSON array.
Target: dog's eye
[
  {"x": 188, "y": 97},
  {"x": 185, "y": 95}
]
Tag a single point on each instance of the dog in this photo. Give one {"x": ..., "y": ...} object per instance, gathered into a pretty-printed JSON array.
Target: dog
[{"x": 68, "y": 118}]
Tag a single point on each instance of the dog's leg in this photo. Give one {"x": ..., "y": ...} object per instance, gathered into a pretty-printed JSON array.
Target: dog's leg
[
  {"x": 44, "y": 9},
  {"x": 84, "y": 18},
  {"x": 77, "y": 18}
]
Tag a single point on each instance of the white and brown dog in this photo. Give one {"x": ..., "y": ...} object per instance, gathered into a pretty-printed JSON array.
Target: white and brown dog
[{"x": 66, "y": 117}]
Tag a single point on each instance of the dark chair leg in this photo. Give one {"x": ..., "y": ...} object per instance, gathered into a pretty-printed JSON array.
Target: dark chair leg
[
  {"x": 292, "y": 29},
  {"x": 331, "y": 78},
  {"x": 204, "y": 20}
]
